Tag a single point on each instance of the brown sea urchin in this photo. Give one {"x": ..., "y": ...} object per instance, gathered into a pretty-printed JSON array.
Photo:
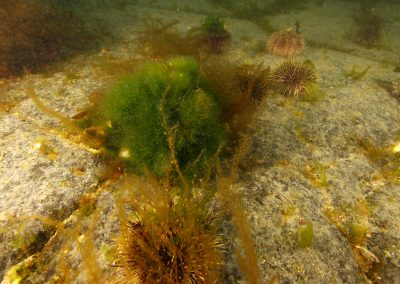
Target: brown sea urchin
[
  {"x": 170, "y": 243},
  {"x": 214, "y": 35},
  {"x": 294, "y": 78},
  {"x": 286, "y": 43}
]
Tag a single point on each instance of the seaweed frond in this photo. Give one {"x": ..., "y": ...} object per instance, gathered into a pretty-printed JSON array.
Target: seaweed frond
[{"x": 356, "y": 75}]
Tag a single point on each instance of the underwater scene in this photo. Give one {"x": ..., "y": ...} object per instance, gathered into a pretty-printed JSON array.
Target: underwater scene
[{"x": 199, "y": 141}]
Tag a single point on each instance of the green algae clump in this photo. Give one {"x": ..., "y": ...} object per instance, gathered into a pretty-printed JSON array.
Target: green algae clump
[{"x": 163, "y": 117}]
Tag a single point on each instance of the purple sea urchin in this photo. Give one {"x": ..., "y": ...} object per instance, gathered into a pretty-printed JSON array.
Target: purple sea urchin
[
  {"x": 285, "y": 43},
  {"x": 294, "y": 78}
]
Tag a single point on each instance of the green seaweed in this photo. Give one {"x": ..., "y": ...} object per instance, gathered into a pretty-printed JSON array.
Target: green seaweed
[
  {"x": 163, "y": 115},
  {"x": 357, "y": 233},
  {"x": 305, "y": 235},
  {"x": 214, "y": 25},
  {"x": 356, "y": 75}
]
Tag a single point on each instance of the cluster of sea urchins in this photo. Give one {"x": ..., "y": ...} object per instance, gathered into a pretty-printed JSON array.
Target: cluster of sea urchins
[
  {"x": 294, "y": 78},
  {"x": 286, "y": 43}
]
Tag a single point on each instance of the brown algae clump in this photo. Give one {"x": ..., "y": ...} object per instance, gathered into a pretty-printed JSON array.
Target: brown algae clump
[
  {"x": 294, "y": 78},
  {"x": 286, "y": 43},
  {"x": 168, "y": 239}
]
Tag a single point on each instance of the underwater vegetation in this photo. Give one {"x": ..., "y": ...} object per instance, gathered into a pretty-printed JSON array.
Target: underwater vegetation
[
  {"x": 159, "y": 40},
  {"x": 169, "y": 239},
  {"x": 294, "y": 78},
  {"x": 354, "y": 74},
  {"x": 357, "y": 233},
  {"x": 35, "y": 33},
  {"x": 305, "y": 234},
  {"x": 171, "y": 118},
  {"x": 170, "y": 107},
  {"x": 241, "y": 89},
  {"x": 161, "y": 110},
  {"x": 253, "y": 80},
  {"x": 214, "y": 35},
  {"x": 286, "y": 43},
  {"x": 368, "y": 30}
]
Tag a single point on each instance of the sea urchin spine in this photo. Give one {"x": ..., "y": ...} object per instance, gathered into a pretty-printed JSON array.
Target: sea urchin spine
[{"x": 294, "y": 78}]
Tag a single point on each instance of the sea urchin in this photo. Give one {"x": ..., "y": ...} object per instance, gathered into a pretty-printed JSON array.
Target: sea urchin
[
  {"x": 214, "y": 35},
  {"x": 286, "y": 43},
  {"x": 170, "y": 243},
  {"x": 294, "y": 78}
]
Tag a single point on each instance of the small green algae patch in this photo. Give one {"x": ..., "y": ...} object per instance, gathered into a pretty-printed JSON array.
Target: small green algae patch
[
  {"x": 163, "y": 115},
  {"x": 356, "y": 75},
  {"x": 351, "y": 219},
  {"x": 305, "y": 235},
  {"x": 214, "y": 25},
  {"x": 357, "y": 233}
]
